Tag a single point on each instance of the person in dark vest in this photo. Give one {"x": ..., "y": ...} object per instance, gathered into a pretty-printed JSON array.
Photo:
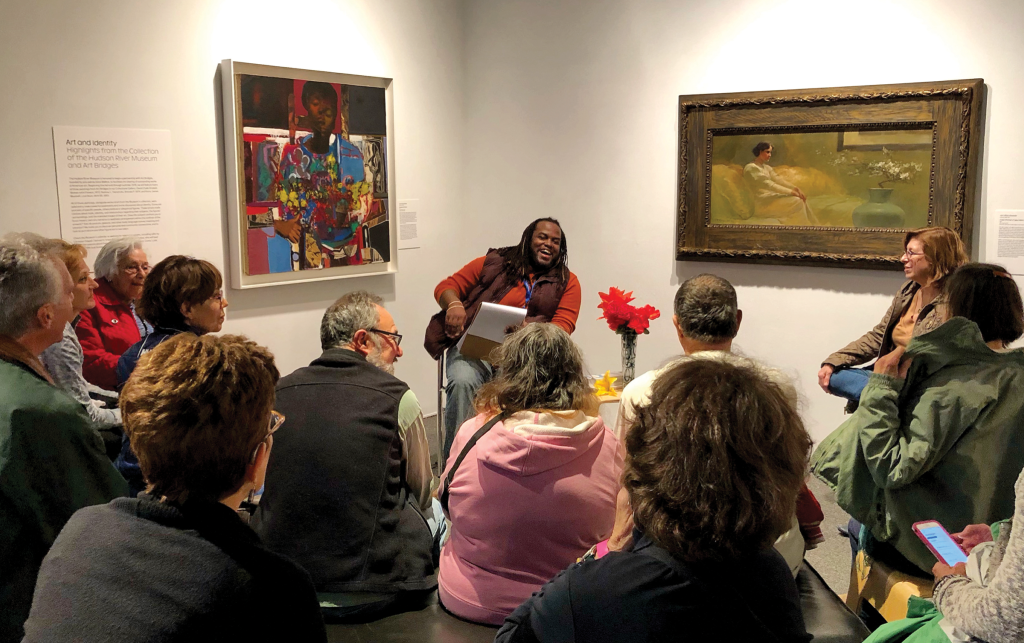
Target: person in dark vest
[
  {"x": 348, "y": 492},
  {"x": 533, "y": 275}
]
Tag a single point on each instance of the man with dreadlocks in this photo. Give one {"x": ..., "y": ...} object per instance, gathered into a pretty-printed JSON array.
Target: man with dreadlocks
[{"x": 533, "y": 275}]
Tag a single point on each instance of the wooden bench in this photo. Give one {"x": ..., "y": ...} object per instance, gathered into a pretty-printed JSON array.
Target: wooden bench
[{"x": 825, "y": 614}]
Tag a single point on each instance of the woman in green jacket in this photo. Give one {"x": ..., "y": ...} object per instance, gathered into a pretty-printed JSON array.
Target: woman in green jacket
[{"x": 939, "y": 434}]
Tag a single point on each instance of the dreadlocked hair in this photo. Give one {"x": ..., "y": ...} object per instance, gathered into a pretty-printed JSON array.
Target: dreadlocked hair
[{"x": 517, "y": 258}]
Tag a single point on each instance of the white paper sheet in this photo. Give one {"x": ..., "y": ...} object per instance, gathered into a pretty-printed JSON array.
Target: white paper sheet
[
  {"x": 115, "y": 182},
  {"x": 1005, "y": 240},
  {"x": 408, "y": 224},
  {"x": 492, "y": 320}
]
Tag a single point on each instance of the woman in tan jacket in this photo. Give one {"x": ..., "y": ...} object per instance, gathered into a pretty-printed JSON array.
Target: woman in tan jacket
[{"x": 930, "y": 254}]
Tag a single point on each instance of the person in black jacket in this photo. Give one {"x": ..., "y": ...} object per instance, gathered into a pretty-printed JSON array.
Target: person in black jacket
[
  {"x": 713, "y": 466},
  {"x": 177, "y": 563}
]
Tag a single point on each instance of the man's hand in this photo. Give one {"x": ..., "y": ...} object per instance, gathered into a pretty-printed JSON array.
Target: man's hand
[
  {"x": 454, "y": 321},
  {"x": 940, "y": 570},
  {"x": 824, "y": 375},
  {"x": 972, "y": 536},
  {"x": 288, "y": 229}
]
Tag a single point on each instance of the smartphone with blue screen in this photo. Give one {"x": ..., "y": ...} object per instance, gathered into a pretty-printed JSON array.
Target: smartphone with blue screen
[{"x": 940, "y": 542}]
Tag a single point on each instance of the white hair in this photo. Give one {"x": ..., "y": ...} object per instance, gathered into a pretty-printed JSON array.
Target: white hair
[
  {"x": 112, "y": 255},
  {"x": 28, "y": 281}
]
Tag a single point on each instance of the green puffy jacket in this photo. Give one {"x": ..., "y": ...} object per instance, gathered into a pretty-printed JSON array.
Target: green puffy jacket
[
  {"x": 947, "y": 444},
  {"x": 52, "y": 463}
]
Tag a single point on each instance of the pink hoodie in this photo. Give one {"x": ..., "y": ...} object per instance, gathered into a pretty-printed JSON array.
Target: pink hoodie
[{"x": 533, "y": 495}]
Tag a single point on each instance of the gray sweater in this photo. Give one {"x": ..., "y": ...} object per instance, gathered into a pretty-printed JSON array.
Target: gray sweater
[
  {"x": 994, "y": 613},
  {"x": 64, "y": 362},
  {"x": 140, "y": 570}
]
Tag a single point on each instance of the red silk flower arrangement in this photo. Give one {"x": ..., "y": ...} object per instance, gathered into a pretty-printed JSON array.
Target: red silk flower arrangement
[{"x": 622, "y": 317}]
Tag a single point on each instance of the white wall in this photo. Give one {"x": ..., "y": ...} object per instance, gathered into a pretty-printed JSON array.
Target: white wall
[
  {"x": 154, "y": 65},
  {"x": 506, "y": 111},
  {"x": 572, "y": 112}
]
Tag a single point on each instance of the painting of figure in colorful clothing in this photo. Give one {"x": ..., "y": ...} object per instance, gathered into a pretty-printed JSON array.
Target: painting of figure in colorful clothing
[{"x": 315, "y": 174}]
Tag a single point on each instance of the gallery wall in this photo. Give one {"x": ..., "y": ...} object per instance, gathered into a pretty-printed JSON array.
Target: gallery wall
[
  {"x": 572, "y": 111},
  {"x": 505, "y": 111},
  {"x": 155, "y": 65}
]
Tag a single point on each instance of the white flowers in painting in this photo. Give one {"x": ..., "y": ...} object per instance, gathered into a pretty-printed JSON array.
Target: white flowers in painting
[{"x": 889, "y": 169}]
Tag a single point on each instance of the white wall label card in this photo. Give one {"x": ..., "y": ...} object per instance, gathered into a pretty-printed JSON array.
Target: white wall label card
[
  {"x": 1005, "y": 240},
  {"x": 115, "y": 182},
  {"x": 408, "y": 224}
]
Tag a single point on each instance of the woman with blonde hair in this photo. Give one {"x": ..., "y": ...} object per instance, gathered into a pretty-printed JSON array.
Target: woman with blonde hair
[
  {"x": 64, "y": 359},
  {"x": 531, "y": 480},
  {"x": 930, "y": 255}
]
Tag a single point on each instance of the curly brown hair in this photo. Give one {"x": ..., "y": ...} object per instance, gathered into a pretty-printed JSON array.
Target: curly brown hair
[
  {"x": 176, "y": 281},
  {"x": 195, "y": 409},
  {"x": 539, "y": 368},
  {"x": 715, "y": 461}
]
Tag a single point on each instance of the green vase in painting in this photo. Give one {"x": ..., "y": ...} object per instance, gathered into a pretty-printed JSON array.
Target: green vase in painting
[{"x": 878, "y": 212}]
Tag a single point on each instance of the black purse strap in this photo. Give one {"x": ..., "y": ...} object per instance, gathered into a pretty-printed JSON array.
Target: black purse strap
[{"x": 443, "y": 498}]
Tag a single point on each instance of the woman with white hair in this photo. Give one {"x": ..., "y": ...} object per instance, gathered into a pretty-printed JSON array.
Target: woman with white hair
[{"x": 109, "y": 329}]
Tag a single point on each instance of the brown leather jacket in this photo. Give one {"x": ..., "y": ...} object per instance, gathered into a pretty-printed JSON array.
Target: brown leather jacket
[{"x": 878, "y": 341}]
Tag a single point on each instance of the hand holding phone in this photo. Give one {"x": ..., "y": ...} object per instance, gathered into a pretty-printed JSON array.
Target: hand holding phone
[{"x": 938, "y": 540}]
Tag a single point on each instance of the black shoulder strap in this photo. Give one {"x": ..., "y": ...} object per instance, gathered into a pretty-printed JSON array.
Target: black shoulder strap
[{"x": 443, "y": 498}]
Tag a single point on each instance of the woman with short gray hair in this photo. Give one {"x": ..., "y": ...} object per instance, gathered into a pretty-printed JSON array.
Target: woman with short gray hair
[
  {"x": 531, "y": 480},
  {"x": 109, "y": 329}
]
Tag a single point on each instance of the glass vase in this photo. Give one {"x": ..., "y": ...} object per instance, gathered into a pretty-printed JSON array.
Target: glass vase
[{"x": 628, "y": 357}]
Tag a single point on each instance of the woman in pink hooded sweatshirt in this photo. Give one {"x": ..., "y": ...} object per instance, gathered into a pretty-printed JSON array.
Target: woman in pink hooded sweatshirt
[{"x": 537, "y": 490}]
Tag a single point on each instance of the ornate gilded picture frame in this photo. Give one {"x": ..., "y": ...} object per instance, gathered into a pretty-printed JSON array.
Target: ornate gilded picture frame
[{"x": 829, "y": 177}]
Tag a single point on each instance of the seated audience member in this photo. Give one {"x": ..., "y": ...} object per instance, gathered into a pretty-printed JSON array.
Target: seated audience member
[
  {"x": 348, "y": 492},
  {"x": 107, "y": 330},
  {"x": 534, "y": 274},
  {"x": 948, "y": 410},
  {"x": 980, "y": 600},
  {"x": 63, "y": 360},
  {"x": 51, "y": 460},
  {"x": 714, "y": 463},
  {"x": 177, "y": 563},
  {"x": 537, "y": 490},
  {"x": 707, "y": 319},
  {"x": 991, "y": 607},
  {"x": 930, "y": 254},
  {"x": 181, "y": 294}
]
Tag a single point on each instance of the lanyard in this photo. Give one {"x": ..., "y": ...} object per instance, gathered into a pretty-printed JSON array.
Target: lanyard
[{"x": 529, "y": 289}]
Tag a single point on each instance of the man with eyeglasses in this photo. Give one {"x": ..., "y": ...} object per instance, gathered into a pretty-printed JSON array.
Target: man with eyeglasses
[{"x": 348, "y": 492}]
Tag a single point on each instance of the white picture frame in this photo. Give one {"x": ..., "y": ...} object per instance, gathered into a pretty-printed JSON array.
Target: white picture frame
[{"x": 249, "y": 268}]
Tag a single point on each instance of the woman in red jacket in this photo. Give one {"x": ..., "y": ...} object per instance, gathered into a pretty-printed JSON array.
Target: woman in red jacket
[{"x": 109, "y": 329}]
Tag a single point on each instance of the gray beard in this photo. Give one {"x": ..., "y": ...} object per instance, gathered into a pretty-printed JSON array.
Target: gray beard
[{"x": 375, "y": 358}]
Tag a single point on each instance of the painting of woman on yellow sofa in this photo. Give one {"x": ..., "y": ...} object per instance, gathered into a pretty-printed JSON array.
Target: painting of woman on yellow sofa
[
  {"x": 818, "y": 178},
  {"x": 774, "y": 197}
]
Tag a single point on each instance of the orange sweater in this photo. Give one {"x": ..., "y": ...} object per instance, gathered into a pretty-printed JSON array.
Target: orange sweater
[{"x": 469, "y": 275}]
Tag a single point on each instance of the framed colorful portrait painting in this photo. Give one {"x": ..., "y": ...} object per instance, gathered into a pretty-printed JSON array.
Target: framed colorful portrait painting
[
  {"x": 309, "y": 172},
  {"x": 831, "y": 177}
]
